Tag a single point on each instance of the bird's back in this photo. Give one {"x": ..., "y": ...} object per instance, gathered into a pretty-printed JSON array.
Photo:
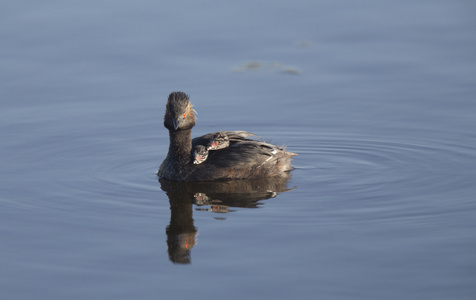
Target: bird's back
[{"x": 244, "y": 158}]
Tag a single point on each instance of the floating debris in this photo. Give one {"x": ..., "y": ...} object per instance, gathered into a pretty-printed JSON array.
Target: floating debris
[
  {"x": 264, "y": 66},
  {"x": 291, "y": 70},
  {"x": 253, "y": 65}
]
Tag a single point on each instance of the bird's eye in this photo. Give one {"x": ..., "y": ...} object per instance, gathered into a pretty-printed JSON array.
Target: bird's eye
[{"x": 184, "y": 115}]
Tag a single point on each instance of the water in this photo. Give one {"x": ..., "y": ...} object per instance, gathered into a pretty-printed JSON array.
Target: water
[{"x": 377, "y": 98}]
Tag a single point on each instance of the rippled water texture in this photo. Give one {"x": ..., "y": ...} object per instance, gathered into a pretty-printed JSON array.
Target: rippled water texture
[{"x": 377, "y": 98}]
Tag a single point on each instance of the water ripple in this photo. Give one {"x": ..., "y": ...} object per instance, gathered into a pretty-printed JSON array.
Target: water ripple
[{"x": 371, "y": 163}]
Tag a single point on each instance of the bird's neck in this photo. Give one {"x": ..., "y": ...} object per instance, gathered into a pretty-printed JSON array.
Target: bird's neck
[{"x": 180, "y": 146}]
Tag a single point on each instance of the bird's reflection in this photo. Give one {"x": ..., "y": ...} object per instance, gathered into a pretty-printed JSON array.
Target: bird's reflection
[{"x": 219, "y": 196}]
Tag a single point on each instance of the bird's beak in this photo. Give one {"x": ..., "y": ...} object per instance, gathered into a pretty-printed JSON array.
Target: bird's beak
[{"x": 176, "y": 122}]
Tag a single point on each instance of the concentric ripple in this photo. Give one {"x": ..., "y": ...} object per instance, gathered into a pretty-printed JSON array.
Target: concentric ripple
[
  {"x": 124, "y": 170},
  {"x": 372, "y": 164}
]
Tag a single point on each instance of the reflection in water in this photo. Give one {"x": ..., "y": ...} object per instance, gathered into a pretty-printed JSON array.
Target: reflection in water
[{"x": 220, "y": 196}]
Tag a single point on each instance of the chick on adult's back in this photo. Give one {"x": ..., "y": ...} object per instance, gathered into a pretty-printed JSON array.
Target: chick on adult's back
[{"x": 243, "y": 158}]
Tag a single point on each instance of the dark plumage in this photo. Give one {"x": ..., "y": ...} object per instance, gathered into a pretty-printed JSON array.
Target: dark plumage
[{"x": 244, "y": 158}]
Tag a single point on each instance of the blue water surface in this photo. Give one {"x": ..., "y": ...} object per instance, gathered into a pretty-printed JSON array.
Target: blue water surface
[{"x": 376, "y": 97}]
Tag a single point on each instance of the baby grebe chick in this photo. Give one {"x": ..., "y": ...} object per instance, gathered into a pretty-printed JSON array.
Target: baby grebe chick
[
  {"x": 218, "y": 141},
  {"x": 243, "y": 158},
  {"x": 200, "y": 154}
]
